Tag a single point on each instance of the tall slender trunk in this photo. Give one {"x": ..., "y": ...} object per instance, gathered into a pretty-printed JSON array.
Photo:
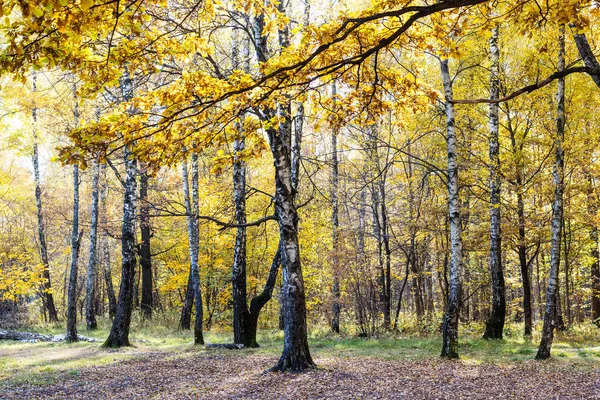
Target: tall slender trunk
[
  {"x": 495, "y": 323},
  {"x": 46, "y": 287},
  {"x": 145, "y": 254},
  {"x": 385, "y": 236},
  {"x": 335, "y": 321},
  {"x": 119, "y": 333},
  {"x": 90, "y": 298},
  {"x": 238, "y": 276},
  {"x": 551, "y": 315},
  {"x": 193, "y": 244},
  {"x": 450, "y": 324},
  {"x": 105, "y": 246},
  {"x": 524, "y": 264},
  {"x": 592, "y": 207},
  {"x": 71, "y": 335},
  {"x": 240, "y": 302}
]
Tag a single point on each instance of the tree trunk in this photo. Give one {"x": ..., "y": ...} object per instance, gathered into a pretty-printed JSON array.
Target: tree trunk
[
  {"x": 193, "y": 245},
  {"x": 335, "y": 321},
  {"x": 495, "y": 323},
  {"x": 594, "y": 254},
  {"x": 240, "y": 302},
  {"x": 71, "y": 335},
  {"x": 46, "y": 287},
  {"x": 119, "y": 333},
  {"x": 238, "y": 276},
  {"x": 145, "y": 254},
  {"x": 259, "y": 301},
  {"x": 550, "y": 316},
  {"x": 105, "y": 247},
  {"x": 296, "y": 355},
  {"x": 90, "y": 298},
  {"x": 185, "y": 319},
  {"x": 450, "y": 324}
]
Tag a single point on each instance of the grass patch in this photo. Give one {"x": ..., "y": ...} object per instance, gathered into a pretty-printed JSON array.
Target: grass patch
[{"x": 42, "y": 363}]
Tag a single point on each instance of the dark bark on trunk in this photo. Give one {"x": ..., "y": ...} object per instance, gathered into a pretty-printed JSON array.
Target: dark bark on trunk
[
  {"x": 296, "y": 355},
  {"x": 145, "y": 253},
  {"x": 260, "y": 300},
  {"x": 399, "y": 305},
  {"x": 238, "y": 276},
  {"x": 119, "y": 333},
  {"x": 185, "y": 320},
  {"x": 71, "y": 335},
  {"x": 550, "y": 316},
  {"x": 240, "y": 302},
  {"x": 587, "y": 55},
  {"x": 495, "y": 324},
  {"x": 450, "y": 323},
  {"x": 90, "y": 298},
  {"x": 46, "y": 287},
  {"x": 335, "y": 321},
  {"x": 594, "y": 253}
]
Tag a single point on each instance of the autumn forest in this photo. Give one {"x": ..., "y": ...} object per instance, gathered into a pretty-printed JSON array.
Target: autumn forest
[{"x": 395, "y": 198}]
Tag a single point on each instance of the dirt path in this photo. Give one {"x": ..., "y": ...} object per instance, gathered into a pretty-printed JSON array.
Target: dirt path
[{"x": 236, "y": 375}]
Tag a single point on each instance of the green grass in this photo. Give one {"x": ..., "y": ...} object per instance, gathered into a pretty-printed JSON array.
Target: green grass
[{"x": 43, "y": 363}]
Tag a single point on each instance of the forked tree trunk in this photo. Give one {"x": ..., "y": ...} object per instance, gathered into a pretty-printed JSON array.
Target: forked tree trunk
[
  {"x": 71, "y": 335},
  {"x": 551, "y": 315},
  {"x": 193, "y": 246},
  {"x": 90, "y": 298},
  {"x": 260, "y": 300},
  {"x": 450, "y": 323},
  {"x": 296, "y": 355},
  {"x": 46, "y": 287},
  {"x": 495, "y": 323}
]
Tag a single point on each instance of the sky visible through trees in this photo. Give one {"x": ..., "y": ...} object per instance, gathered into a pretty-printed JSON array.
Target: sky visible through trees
[{"x": 363, "y": 169}]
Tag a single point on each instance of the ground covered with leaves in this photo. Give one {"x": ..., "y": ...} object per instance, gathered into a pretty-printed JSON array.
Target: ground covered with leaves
[{"x": 401, "y": 368}]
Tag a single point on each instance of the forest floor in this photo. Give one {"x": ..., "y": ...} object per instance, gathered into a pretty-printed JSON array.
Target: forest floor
[{"x": 164, "y": 365}]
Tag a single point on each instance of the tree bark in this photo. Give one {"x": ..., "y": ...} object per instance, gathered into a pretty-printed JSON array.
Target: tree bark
[
  {"x": 450, "y": 323},
  {"x": 185, "y": 320},
  {"x": 550, "y": 316},
  {"x": 592, "y": 206},
  {"x": 119, "y": 333},
  {"x": 46, "y": 287},
  {"x": 105, "y": 247},
  {"x": 240, "y": 302},
  {"x": 260, "y": 300},
  {"x": 193, "y": 245},
  {"x": 335, "y": 321},
  {"x": 296, "y": 355},
  {"x": 90, "y": 298},
  {"x": 145, "y": 253},
  {"x": 71, "y": 335},
  {"x": 495, "y": 324},
  {"x": 587, "y": 55}
]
